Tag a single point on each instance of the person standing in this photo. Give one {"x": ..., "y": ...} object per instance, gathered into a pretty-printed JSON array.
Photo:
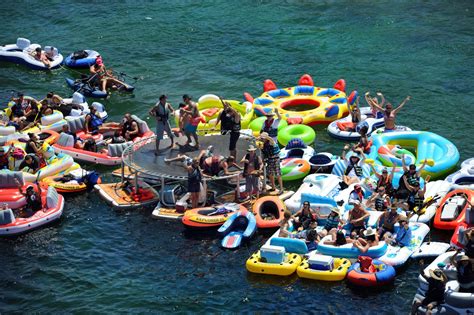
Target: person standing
[
  {"x": 270, "y": 125},
  {"x": 161, "y": 111},
  {"x": 230, "y": 124},
  {"x": 194, "y": 182},
  {"x": 252, "y": 169},
  {"x": 190, "y": 126},
  {"x": 271, "y": 157}
]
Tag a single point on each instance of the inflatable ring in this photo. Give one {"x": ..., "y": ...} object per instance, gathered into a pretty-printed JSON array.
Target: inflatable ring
[
  {"x": 304, "y": 103},
  {"x": 292, "y": 169},
  {"x": 305, "y": 133},
  {"x": 391, "y": 155},
  {"x": 257, "y": 124},
  {"x": 382, "y": 274}
]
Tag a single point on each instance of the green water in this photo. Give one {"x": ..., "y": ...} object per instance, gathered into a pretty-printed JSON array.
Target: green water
[{"x": 100, "y": 260}]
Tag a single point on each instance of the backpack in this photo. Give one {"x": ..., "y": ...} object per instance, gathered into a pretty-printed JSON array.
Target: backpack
[{"x": 79, "y": 54}]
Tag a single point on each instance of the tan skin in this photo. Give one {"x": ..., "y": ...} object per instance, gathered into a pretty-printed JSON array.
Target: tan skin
[
  {"x": 107, "y": 78},
  {"x": 271, "y": 176},
  {"x": 363, "y": 245},
  {"x": 41, "y": 56},
  {"x": 357, "y": 216},
  {"x": 194, "y": 195},
  {"x": 390, "y": 113},
  {"x": 389, "y": 217},
  {"x": 193, "y": 112},
  {"x": 285, "y": 224},
  {"x": 250, "y": 167}
]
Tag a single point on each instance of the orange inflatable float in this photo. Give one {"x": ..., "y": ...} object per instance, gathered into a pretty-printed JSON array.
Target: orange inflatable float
[
  {"x": 268, "y": 211},
  {"x": 210, "y": 217},
  {"x": 452, "y": 209}
]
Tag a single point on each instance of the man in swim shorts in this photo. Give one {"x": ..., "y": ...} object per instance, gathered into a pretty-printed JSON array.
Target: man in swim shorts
[{"x": 190, "y": 127}]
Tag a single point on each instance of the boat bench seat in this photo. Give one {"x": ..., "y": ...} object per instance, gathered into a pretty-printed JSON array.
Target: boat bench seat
[
  {"x": 6, "y": 216},
  {"x": 52, "y": 198},
  {"x": 66, "y": 140},
  {"x": 76, "y": 123},
  {"x": 116, "y": 149},
  {"x": 7, "y": 179},
  {"x": 142, "y": 125}
]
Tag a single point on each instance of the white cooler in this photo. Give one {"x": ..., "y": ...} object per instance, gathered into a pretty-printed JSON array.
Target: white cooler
[
  {"x": 320, "y": 262},
  {"x": 272, "y": 254}
]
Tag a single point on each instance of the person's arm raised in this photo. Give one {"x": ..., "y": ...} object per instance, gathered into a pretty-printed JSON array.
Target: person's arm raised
[{"x": 401, "y": 105}]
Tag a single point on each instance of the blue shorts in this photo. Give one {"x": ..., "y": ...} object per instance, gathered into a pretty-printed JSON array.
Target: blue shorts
[{"x": 188, "y": 129}]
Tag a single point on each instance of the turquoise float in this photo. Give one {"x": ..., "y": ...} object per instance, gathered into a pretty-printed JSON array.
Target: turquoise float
[{"x": 441, "y": 154}]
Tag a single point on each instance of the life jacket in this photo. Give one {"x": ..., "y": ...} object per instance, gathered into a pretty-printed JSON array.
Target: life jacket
[
  {"x": 332, "y": 222},
  {"x": 415, "y": 200},
  {"x": 380, "y": 203},
  {"x": 227, "y": 122},
  {"x": 256, "y": 163},
  {"x": 270, "y": 150},
  {"x": 95, "y": 122},
  {"x": 195, "y": 177},
  {"x": 387, "y": 183},
  {"x": 271, "y": 128},
  {"x": 357, "y": 169}
]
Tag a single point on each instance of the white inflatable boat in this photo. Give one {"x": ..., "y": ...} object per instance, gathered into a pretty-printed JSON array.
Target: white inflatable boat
[{"x": 22, "y": 53}]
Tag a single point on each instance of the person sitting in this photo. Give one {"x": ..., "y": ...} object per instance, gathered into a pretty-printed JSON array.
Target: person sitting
[
  {"x": 338, "y": 238},
  {"x": 389, "y": 114},
  {"x": 50, "y": 53},
  {"x": 30, "y": 164},
  {"x": 304, "y": 214},
  {"x": 386, "y": 223},
  {"x": 333, "y": 221},
  {"x": 94, "y": 124},
  {"x": 130, "y": 129},
  {"x": 65, "y": 130},
  {"x": 353, "y": 172},
  {"x": 356, "y": 194},
  {"x": 19, "y": 106},
  {"x": 46, "y": 109},
  {"x": 105, "y": 78},
  {"x": 371, "y": 101},
  {"x": 116, "y": 138},
  {"x": 357, "y": 216},
  {"x": 379, "y": 200},
  {"x": 53, "y": 100},
  {"x": 384, "y": 179},
  {"x": 412, "y": 175},
  {"x": 465, "y": 272},
  {"x": 403, "y": 236},
  {"x": 90, "y": 145},
  {"x": 355, "y": 118},
  {"x": 469, "y": 242},
  {"x": 41, "y": 56},
  {"x": 435, "y": 294},
  {"x": 33, "y": 145},
  {"x": 370, "y": 239},
  {"x": 33, "y": 200},
  {"x": 312, "y": 239},
  {"x": 4, "y": 157},
  {"x": 285, "y": 225},
  {"x": 417, "y": 196},
  {"x": 253, "y": 166},
  {"x": 364, "y": 144}
]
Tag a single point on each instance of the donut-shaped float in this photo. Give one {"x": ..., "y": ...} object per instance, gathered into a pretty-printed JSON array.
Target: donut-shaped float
[
  {"x": 293, "y": 169},
  {"x": 391, "y": 155},
  {"x": 257, "y": 124},
  {"x": 303, "y": 132},
  {"x": 325, "y": 104},
  {"x": 378, "y": 274}
]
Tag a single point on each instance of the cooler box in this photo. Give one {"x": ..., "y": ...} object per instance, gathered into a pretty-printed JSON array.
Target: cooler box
[
  {"x": 272, "y": 254},
  {"x": 320, "y": 262},
  {"x": 450, "y": 211}
]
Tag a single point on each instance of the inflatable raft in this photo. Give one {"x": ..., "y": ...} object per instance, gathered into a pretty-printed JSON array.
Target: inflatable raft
[
  {"x": 396, "y": 255},
  {"x": 126, "y": 196},
  {"x": 455, "y": 302},
  {"x": 11, "y": 224},
  {"x": 337, "y": 128},
  {"x": 376, "y": 274},
  {"x": 240, "y": 227},
  {"x": 210, "y": 217},
  {"x": 435, "y": 191},
  {"x": 22, "y": 53},
  {"x": 81, "y": 59},
  {"x": 83, "y": 87},
  {"x": 452, "y": 209},
  {"x": 268, "y": 211}
]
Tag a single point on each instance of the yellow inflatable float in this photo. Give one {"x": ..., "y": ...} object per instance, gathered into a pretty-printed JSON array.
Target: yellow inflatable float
[
  {"x": 256, "y": 265},
  {"x": 210, "y": 107},
  {"x": 305, "y": 103},
  {"x": 337, "y": 273}
]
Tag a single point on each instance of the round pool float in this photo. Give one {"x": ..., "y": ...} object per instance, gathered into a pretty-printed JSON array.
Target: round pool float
[
  {"x": 325, "y": 104},
  {"x": 440, "y": 153},
  {"x": 210, "y": 107},
  {"x": 296, "y": 148},
  {"x": 257, "y": 124},
  {"x": 391, "y": 155},
  {"x": 377, "y": 274},
  {"x": 293, "y": 169},
  {"x": 298, "y": 131}
]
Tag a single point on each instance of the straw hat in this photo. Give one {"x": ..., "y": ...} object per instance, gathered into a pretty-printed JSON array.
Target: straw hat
[
  {"x": 436, "y": 274},
  {"x": 464, "y": 258},
  {"x": 336, "y": 210},
  {"x": 370, "y": 231},
  {"x": 251, "y": 148}
]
